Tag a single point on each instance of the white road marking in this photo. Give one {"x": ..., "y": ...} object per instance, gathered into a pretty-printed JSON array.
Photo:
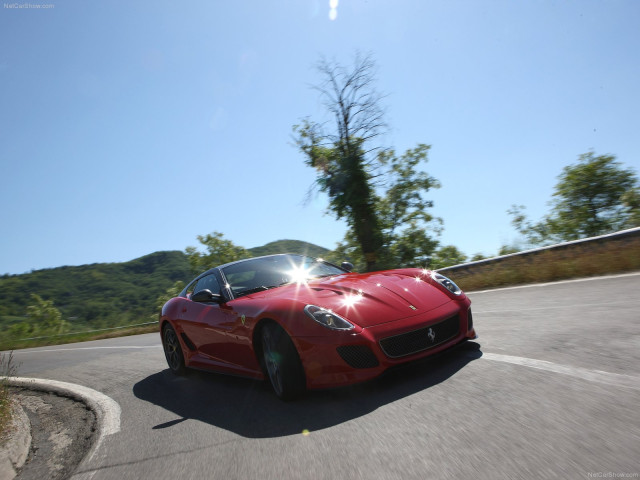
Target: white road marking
[
  {"x": 83, "y": 348},
  {"x": 608, "y": 378},
  {"x": 552, "y": 307},
  {"x": 588, "y": 279}
]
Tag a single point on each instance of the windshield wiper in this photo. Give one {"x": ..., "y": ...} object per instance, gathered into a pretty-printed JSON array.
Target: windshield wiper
[
  {"x": 251, "y": 290},
  {"x": 261, "y": 288}
]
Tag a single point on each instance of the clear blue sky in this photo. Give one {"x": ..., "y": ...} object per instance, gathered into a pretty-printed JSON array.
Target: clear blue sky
[{"x": 128, "y": 127}]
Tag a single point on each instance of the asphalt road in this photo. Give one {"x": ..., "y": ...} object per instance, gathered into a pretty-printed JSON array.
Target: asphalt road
[{"x": 551, "y": 389}]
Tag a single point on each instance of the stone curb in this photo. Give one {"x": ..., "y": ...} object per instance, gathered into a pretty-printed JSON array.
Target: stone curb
[
  {"x": 106, "y": 410},
  {"x": 15, "y": 451}
]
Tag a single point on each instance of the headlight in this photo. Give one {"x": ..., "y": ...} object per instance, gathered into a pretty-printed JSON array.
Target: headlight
[
  {"x": 446, "y": 283},
  {"x": 327, "y": 318}
]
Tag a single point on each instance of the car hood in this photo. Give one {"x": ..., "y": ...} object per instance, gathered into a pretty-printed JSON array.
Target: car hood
[{"x": 367, "y": 299}]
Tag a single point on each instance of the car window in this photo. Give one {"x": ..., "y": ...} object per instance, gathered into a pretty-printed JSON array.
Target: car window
[
  {"x": 268, "y": 272},
  {"x": 240, "y": 277},
  {"x": 207, "y": 283}
]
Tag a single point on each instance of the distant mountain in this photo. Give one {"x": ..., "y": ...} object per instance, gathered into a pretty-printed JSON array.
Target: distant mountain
[
  {"x": 290, "y": 246},
  {"x": 112, "y": 294}
]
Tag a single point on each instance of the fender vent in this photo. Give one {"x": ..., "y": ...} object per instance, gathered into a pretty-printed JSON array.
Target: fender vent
[{"x": 188, "y": 342}]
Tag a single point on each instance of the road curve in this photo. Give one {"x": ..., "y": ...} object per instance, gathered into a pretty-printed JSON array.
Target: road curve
[{"x": 550, "y": 389}]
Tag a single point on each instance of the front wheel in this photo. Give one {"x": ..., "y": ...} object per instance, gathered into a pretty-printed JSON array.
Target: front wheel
[
  {"x": 173, "y": 350},
  {"x": 282, "y": 363}
]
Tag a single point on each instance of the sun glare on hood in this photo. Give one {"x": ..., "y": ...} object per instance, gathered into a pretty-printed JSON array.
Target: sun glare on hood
[{"x": 351, "y": 300}]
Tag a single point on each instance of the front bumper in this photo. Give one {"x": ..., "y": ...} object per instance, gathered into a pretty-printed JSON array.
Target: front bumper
[{"x": 348, "y": 357}]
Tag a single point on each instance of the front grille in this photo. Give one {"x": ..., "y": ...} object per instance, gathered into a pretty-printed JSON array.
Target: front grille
[
  {"x": 358, "y": 356},
  {"x": 469, "y": 321},
  {"x": 420, "y": 339}
]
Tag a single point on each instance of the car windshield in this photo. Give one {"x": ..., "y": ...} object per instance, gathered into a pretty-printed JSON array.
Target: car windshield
[{"x": 263, "y": 273}]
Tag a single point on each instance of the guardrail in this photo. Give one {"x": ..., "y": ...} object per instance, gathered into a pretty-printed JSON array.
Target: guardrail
[
  {"x": 624, "y": 241},
  {"x": 87, "y": 331}
]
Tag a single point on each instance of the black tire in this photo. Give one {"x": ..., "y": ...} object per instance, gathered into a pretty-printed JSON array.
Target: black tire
[
  {"x": 173, "y": 350},
  {"x": 282, "y": 363}
]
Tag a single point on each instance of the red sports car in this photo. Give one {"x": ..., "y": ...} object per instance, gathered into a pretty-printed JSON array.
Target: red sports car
[{"x": 306, "y": 323}]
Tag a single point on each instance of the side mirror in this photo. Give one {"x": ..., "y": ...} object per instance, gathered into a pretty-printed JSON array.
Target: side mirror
[
  {"x": 348, "y": 266},
  {"x": 205, "y": 296}
]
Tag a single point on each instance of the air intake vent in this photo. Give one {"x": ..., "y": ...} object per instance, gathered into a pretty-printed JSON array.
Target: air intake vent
[{"x": 358, "y": 356}]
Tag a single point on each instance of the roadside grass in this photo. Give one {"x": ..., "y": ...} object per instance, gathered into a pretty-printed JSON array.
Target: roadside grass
[
  {"x": 551, "y": 265},
  {"x": 8, "y": 368},
  {"x": 15, "y": 344}
]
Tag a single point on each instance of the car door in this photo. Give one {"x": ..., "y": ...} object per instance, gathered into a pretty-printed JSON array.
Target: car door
[{"x": 207, "y": 324}]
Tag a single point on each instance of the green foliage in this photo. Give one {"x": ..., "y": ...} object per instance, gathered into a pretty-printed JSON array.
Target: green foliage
[
  {"x": 404, "y": 211},
  {"x": 631, "y": 202},
  {"x": 218, "y": 251},
  {"x": 379, "y": 194},
  {"x": 404, "y": 201},
  {"x": 593, "y": 197},
  {"x": 477, "y": 256},
  {"x": 343, "y": 175},
  {"x": 44, "y": 318},
  {"x": 172, "y": 291},
  {"x": 91, "y": 296},
  {"x": 447, "y": 256},
  {"x": 403, "y": 214},
  {"x": 350, "y": 250},
  {"x": 508, "y": 249}
]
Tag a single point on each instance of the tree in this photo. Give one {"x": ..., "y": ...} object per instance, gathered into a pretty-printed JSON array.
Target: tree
[
  {"x": 447, "y": 256},
  {"x": 404, "y": 211},
  {"x": 508, "y": 249},
  {"x": 593, "y": 197},
  {"x": 45, "y": 317},
  {"x": 340, "y": 158},
  {"x": 218, "y": 251},
  {"x": 172, "y": 291},
  {"x": 385, "y": 228}
]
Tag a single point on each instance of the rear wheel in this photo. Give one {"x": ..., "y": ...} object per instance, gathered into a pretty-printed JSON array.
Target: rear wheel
[
  {"x": 282, "y": 363},
  {"x": 173, "y": 350}
]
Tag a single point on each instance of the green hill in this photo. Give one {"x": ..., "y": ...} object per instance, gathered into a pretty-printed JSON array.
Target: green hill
[
  {"x": 97, "y": 295},
  {"x": 105, "y": 295},
  {"x": 290, "y": 246}
]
